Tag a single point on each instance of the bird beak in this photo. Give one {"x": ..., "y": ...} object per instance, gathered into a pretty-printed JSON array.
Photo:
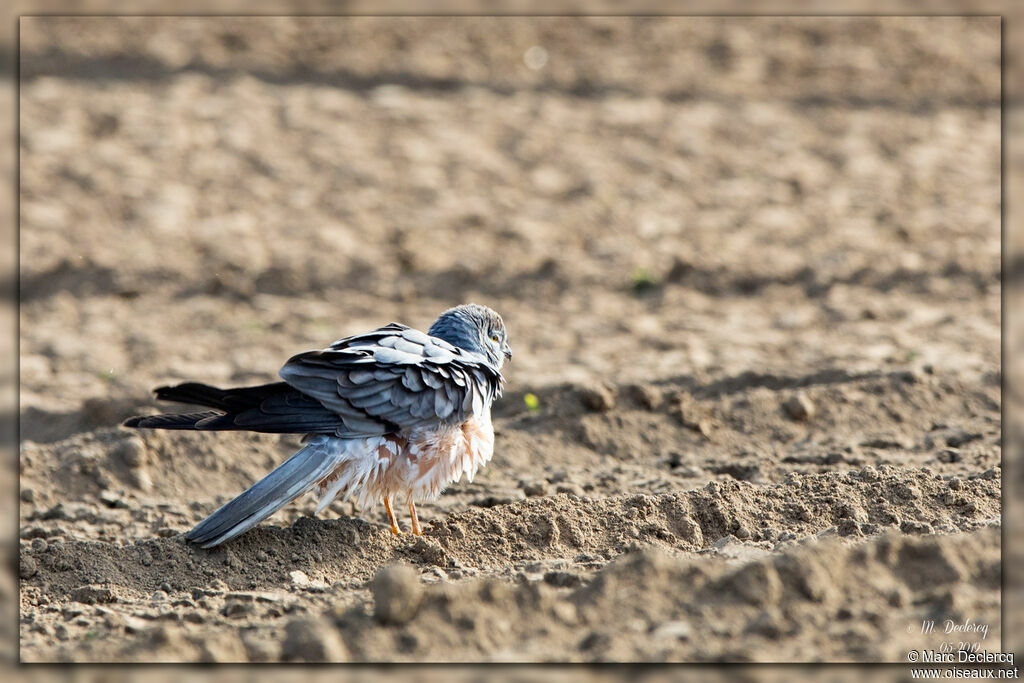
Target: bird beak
[{"x": 508, "y": 353}]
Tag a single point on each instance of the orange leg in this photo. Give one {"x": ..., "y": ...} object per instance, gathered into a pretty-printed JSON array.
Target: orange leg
[
  {"x": 391, "y": 517},
  {"x": 415, "y": 520}
]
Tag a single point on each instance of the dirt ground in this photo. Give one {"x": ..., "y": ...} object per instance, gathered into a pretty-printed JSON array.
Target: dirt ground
[{"x": 751, "y": 273}]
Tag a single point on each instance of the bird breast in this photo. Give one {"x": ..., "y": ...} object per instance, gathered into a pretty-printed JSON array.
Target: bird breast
[{"x": 439, "y": 456}]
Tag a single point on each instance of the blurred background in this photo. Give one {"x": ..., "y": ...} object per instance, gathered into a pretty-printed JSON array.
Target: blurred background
[
  {"x": 200, "y": 197},
  {"x": 641, "y": 198}
]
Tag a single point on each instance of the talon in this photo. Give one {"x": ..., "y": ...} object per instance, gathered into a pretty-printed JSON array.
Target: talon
[
  {"x": 395, "y": 529},
  {"x": 415, "y": 520}
]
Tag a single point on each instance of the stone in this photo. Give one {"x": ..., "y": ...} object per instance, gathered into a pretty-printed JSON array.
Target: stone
[
  {"x": 536, "y": 488},
  {"x": 312, "y": 640},
  {"x": 597, "y": 398},
  {"x": 799, "y": 407},
  {"x": 397, "y": 594}
]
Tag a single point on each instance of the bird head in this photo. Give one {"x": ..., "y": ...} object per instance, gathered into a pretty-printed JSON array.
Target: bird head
[{"x": 474, "y": 328}]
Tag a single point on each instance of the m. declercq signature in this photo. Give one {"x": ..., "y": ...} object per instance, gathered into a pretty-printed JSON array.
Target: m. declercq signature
[{"x": 950, "y": 626}]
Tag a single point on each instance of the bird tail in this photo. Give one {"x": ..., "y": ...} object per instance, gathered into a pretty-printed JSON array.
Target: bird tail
[
  {"x": 314, "y": 462},
  {"x": 275, "y": 408}
]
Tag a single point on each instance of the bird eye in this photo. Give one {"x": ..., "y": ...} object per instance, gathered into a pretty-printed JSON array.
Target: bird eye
[{"x": 494, "y": 337}]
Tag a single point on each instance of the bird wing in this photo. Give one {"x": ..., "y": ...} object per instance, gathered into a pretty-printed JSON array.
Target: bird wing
[{"x": 392, "y": 379}]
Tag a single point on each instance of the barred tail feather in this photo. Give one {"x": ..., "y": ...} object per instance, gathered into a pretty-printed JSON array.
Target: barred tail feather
[{"x": 296, "y": 475}]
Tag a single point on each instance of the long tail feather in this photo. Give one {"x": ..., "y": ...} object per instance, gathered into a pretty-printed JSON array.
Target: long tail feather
[
  {"x": 272, "y": 408},
  {"x": 170, "y": 421},
  {"x": 296, "y": 475}
]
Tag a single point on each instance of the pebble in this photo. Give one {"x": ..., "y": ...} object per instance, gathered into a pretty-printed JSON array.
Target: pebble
[
  {"x": 430, "y": 551},
  {"x": 848, "y": 527},
  {"x": 558, "y": 476},
  {"x": 914, "y": 527},
  {"x": 646, "y": 396},
  {"x": 677, "y": 630},
  {"x": 799, "y": 407},
  {"x": 869, "y": 474},
  {"x": 597, "y": 397},
  {"x": 28, "y": 568},
  {"x": 312, "y": 640},
  {"x": 299, "y": 578},
  {"x": 134, "y": 624},
  {"x": 39, "y": 545},
  {"x": 91, "y": 595},
  {"x": 28, "y": 495},
  {"x": 131, "y": 452},
  {"x": 237, "y": 608},
  {"x": 562, "y": 579},
  {"x": 536, "y": 488},
  {"x": 961, "y": 437},
  {"x": 113, "y": 500},
  {"x": 396, "y": 594},
  {"x": 571, "y": 489}
]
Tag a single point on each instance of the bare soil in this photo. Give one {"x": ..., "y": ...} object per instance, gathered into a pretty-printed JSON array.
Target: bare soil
[{"x": 751, "y": 273}]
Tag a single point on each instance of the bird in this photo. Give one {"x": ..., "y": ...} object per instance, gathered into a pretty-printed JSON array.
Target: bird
[{"x": 389, "y": 413}]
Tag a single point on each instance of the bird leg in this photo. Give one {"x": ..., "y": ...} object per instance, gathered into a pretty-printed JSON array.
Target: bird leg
[
  {"x": 415, "y": 520},
  {"x": 391, "y": 517}
]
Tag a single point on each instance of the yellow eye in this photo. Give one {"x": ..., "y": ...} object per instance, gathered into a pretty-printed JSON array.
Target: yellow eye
[{"x": 494, "y": 337}]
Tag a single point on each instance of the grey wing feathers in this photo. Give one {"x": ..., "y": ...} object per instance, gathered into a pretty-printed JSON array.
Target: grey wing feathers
[
  {"x": 287, "y": 481},
  {"x": 393, "y": 378}
]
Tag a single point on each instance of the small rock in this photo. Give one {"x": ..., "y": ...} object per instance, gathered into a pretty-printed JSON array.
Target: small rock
[
  {"x": 131, "y": 451},
  {"x": 136, "y": 624},
  {"x": 299, "y": 578},
  {"x": 990, "y": 473},
  {"x": 673, "y": 630},
  {"x": 799, "y": 407},
  {"x": 569, "y": 488},
  {"x": 955, "y": 483},
  {"x": 58, "y": 511},
  {"x": 725, "y": 541},
  {"x": 913, "y": 527},
  {"x": 766, "y": 624},
  {"x": 91, "y": 595},
  {"x": 566, "y": 612},
  {"x": 948, "y": 455},
  {"x": 536, "y": 488},
  {"x": 558, "y": 476},
  {"x": 562, "y": 579},
  {"x": 113, "y": 500},
  {"x": 396, "y": 594},
  {"x": 646, "y": 396},
  {"x": 961, "y": 437},
  {"x": 28, "y": 568},
  {"x": 430, "y": 551},
  {"x": 312, "y": 640},
  {"x": 39, "y": 545},
  {"x": 597, "y": 397},
  {"x": 70, "y": 613},
  {"x": 595, "y": 640},
  {"x": 28, "y": 495},
  {"x": 848, "y": 527},
  {"x": 222, "y": 648},
  {"x": 869, "y": 474},
  {"x": 237, "y": 608}
]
